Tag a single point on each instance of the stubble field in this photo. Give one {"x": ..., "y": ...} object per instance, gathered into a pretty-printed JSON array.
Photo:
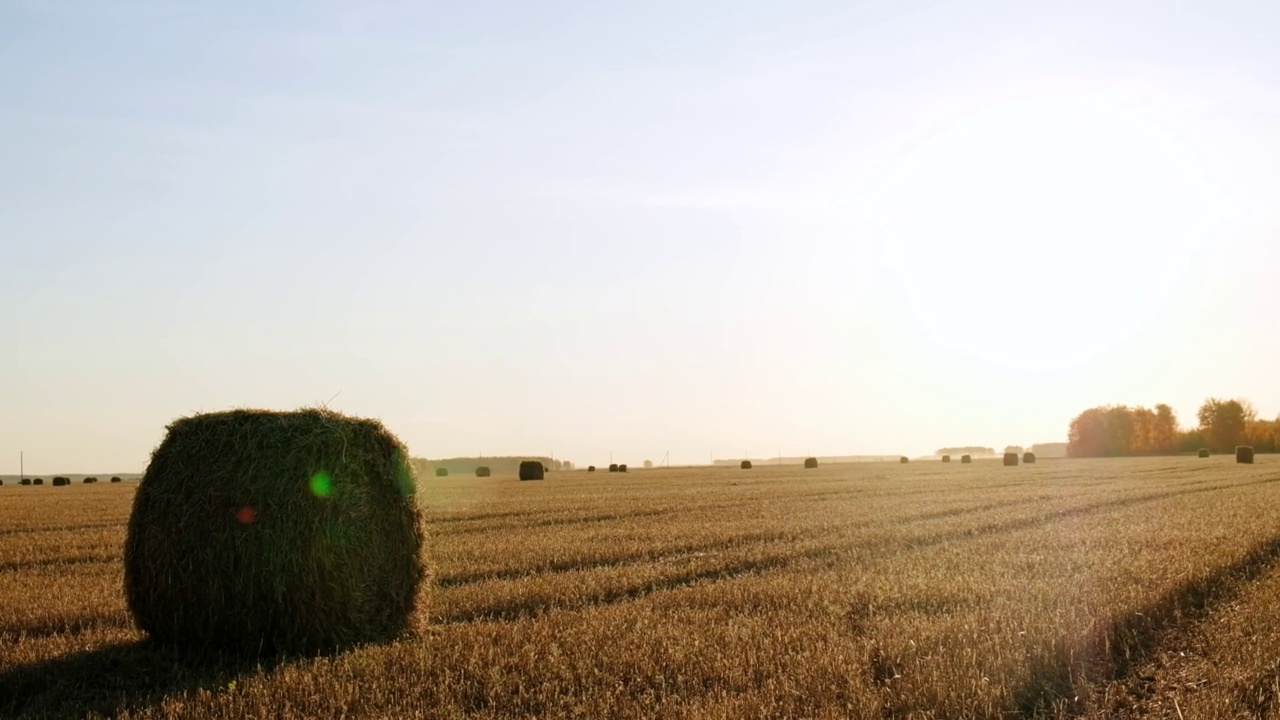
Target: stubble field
[{"x": 1085, "y": 588}]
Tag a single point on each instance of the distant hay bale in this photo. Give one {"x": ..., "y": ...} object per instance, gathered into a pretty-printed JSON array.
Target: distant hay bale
[
  {"x": 622, "y": 467},
  {"x": 904, "y": 459},
  {"x": 613, "y": 467},
  {"x": 256, "y": 531},
  {"x": 1028, "y": 458},
  {"x": 61, "y": 481},
  {"x": 810, "y": 463},
  {"x": 746, "y": 465},
  {"x": 966, "y": 459},
  {"x": 115, "y": 478},
  {"x": 483, "y": 471},
  {"x": 91, "y": 479},
  {"x": 1204, "y": 452},
  {"x": 946, "y": 458},
  {"x": 37, "y": 481},
  {"x": 1010, "y": 459},
  {"x": 1244, "y": 454},
  {"x": 532, "y": 470},
  {"x": 442, "y": 472},
  {"x": 24, "y": 481},
  {"x": 88, "y": 481},
  {"x": 591, "y": 468}
]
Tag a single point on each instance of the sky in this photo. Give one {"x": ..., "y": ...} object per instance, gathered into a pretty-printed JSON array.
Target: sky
[{"x": 661, "y": 229}]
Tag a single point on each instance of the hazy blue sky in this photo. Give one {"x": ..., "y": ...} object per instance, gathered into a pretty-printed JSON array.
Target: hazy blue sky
[{"x": 577, "y": 227}]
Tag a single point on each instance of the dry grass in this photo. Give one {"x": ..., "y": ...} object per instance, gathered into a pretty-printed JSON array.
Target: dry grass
[{"x": 1085, "y": 588}]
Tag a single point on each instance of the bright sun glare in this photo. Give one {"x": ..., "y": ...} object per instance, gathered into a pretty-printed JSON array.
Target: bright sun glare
[{"x": 1033, "y": 218}]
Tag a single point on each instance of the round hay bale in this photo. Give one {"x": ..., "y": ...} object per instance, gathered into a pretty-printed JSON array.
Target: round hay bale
[
  {"x": 531, "y": 470},
  {"x": 591, "y": 468},
  {"x": 88, "y": 481},
  {"x": 1, "y": 482},
  {"x": 613, "y": 467},
  {"x": 810, "y": 463},
  {"x": 946, "y": 458},
  {"x": 24, "y": 481},
  {"x": 966, "y": 459},
  {"x": 1028, "y": 458},
  {"x": 483, "y": 471},
  {"x": 442, "y": 472},
  {"x": 622, "y": 467},
  {"x": 91, "y": 479},
  {"x": 1244, "y": 454},
  {"x": 37, "y": 481},
  {"x": 60, "y": 481},
  {"x": 746, "y": 465},
  {"x": 115, "y": 478},
  {"x": 1204, "y": 452},
  {"x": 255, "y": 532},
  {"x": 1010, "y": 459},
  {"x": 904, "y": 460}
]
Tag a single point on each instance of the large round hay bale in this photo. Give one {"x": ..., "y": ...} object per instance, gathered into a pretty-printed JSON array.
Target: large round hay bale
[
  {"x": 746, "y": 465},
  {"x": 966, "y": 459},
  {"x": 24, "y": 481},
  {"x": 613, "y": 467},
  {"x": 622, "y": 467},
  {"x": 531, "y": 470},
  {"x": 810, "y": 463},
  {"x": 255, "y": 531},
  {"x": 483, "y": 471},
  {"x": 88, "y": 481},
  {"x": 115, "y": 478},
  {"x": 1204, "y": 452},
  {"x": 442, "y": 472},
  {"x": 591, "y": 468},
  {"x": 904, "y": 460},
  {"x": 1028, "y": 458},
  {"x": 946, "y": 458},
  {"x": 1010, "y": 459},
  {"x": 38, "y": 481},
  {"x": 60, "y": 481},
  {"x": 91, "y": 479},
  {"x": 1244, "y": 454}
]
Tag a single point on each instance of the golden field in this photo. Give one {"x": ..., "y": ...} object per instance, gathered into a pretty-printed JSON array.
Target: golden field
[{"x": 1069, "y": 588}]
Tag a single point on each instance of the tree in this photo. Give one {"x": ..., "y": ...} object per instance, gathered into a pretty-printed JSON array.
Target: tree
[
  {"x": 1223, "y": 422},
  {"x": 1166, "y": 431}
]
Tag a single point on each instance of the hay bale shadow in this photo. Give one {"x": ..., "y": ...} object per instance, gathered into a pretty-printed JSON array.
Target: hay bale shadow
[{"x": 116, "y": 678}]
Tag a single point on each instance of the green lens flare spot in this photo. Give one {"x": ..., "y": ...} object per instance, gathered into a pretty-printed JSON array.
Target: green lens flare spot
[{"x": 321, "y": 484}]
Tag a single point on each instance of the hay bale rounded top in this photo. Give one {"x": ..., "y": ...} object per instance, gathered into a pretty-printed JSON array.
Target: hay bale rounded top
[
  {"x": 946, "y": 458},
  {"x": 966, "y": 459},
  {"x": 255, "y": 531},
  {"x": 442, "y": 472},
  {"x": 591, "y": 468},
  {"x": 904, "y": 459},
  {"x": 1204, "y": 452},
  {"x": 115, "y": 478},
  {"x": 1244, "y": 454},
  {"x": 1010, "y": 459},
  {"x": 24, "y": 481},
  {"x": 810, "y": 463},
  {"x": 483, "y": 471},
  {"x": 622, "y": 467},
  {"x": 613, "y": 467},
  {"x": 746, "y": 465},
  {"x": 531, "y": 470},
  {"x": 1028, "y": 458}
]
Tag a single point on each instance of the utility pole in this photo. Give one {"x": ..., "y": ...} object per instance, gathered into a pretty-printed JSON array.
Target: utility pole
[{"x": 22, "y": 468}]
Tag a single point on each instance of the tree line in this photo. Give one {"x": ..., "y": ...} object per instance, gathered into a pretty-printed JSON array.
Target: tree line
[{"x": 1120, "y": 430}]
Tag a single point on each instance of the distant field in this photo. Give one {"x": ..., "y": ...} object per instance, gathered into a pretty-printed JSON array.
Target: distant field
[{"x": 1069, "y": 588}]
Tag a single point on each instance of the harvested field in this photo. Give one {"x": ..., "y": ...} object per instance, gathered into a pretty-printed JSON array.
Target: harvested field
[{"x": 1072, "y": 588}]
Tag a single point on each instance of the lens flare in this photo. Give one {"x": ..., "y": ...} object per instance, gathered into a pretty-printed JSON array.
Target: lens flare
[{"x": 321, "y": 484}]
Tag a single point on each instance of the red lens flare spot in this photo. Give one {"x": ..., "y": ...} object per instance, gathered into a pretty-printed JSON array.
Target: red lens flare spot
[{"x": 246, "y": 515}]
